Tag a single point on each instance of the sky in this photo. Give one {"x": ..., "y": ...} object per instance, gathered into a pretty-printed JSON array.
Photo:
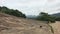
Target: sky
[{"x": 33, "y": 7}]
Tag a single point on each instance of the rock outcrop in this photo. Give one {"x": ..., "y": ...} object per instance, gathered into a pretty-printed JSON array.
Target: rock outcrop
[
  {"x": 14, "y": 25},
  {"x": 56, "y": 27}
]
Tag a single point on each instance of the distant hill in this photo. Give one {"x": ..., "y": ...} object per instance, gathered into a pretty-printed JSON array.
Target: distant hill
[
  {"x": 31, "y": 16},
  {"x": 56, "y": 15}
]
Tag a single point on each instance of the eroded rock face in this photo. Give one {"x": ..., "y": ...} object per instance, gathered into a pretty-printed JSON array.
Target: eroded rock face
[
  {"x": 56, "y": 27},
  {"x": 14, "y": 25}
]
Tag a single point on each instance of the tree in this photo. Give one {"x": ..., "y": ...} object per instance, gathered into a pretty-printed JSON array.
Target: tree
[
  {"x": 58, "y": 19},
  {"x": 45, "y": 17},
  {"x": 0, "y": 8},
  {"x": 13, "y": 12}
]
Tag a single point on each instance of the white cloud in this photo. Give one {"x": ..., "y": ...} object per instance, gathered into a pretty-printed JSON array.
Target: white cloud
[{"x": 27, "y": 6}]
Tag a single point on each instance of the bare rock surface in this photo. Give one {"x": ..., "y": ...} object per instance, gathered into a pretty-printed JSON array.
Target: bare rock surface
[
  {"x": 56, "y": 27},
  {"x": 14, "y": 25}
]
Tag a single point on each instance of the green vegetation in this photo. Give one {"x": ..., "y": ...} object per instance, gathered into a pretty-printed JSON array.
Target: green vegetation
[
  {"x": 58, "y": 19},
  {"x": 46, "y": 17},
  {"x": 12, "y": 12},
  {"x": 42, "y": 16}
]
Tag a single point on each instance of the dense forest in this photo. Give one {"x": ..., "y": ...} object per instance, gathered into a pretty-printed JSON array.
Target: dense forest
[{"x": 13, "y": 12}]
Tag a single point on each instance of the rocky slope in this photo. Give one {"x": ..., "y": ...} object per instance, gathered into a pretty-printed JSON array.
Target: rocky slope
[
  {"x": 14, "y": 25},
  {"x": 56, "y": 27}
]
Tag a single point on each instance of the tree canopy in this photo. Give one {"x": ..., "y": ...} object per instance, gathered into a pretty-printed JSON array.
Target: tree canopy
[
  {"x": 45, "y": 17},
  {"x": 13, "y": 12}
]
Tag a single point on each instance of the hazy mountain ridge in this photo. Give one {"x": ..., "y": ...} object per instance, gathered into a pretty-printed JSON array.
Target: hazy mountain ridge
[
  {"x": 31, "y": 16},
  {"x": 56, "y": 14}
]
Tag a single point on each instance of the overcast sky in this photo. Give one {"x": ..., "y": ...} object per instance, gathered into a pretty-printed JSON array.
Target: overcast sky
[{"x": 33, "y": 7}]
